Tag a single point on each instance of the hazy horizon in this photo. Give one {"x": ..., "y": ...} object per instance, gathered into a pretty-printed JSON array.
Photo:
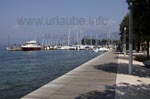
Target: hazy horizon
[{"x": 53, "y": 17}]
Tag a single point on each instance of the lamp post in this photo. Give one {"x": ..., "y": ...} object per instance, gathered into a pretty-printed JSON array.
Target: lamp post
[
  {"x": 130, "y": 3},
  {"x": 124, "y": 41}
]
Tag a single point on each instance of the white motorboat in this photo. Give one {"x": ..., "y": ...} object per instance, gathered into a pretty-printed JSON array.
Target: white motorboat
[
  {"x": 31, "y": 46},
  {"x": 102, "y": 49}
]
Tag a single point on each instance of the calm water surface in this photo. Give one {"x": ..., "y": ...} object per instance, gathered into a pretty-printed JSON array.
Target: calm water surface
[{"x": 22, "y": 72}]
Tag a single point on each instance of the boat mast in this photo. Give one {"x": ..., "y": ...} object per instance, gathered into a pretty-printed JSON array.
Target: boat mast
[
  {"x": 8, "y": 41},
  {"x": 69, "y": 37},
  {"x": 91, "y": 39},
  {"x": 96, "y": 43},
  {"x": 77, "y": 39},
  {"x": 80, "y": 43}
]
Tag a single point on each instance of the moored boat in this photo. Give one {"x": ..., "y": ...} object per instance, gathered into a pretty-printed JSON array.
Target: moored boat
[
  {"x": 102, "y": 49},
  {"x": 31, "y": 46}
]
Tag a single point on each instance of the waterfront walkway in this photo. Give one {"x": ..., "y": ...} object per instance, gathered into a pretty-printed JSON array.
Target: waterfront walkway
[
  {"x": 87, "y": 78},
  {"x": 104, "y": 77}
]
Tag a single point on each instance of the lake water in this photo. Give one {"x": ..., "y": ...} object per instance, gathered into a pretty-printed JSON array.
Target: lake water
[{"x": 22, "y": 72}]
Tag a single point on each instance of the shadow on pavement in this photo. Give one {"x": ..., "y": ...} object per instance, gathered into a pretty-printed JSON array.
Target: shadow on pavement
[
  {"x": 127, "y": 91},
  {"x": 109, "y": 93},
  {"x": 138, "y": 70},
  {"x": 123, "y": 91}
]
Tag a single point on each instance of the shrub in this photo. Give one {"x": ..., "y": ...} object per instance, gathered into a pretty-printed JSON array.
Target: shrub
[{"x": 141, "y": 58}]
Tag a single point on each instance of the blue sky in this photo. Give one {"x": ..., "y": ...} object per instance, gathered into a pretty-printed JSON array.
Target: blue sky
[{"x": 11, "y": 10}]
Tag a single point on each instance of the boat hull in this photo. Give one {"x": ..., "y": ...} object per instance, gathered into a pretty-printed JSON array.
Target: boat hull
[{"x": 30, "y": 49}]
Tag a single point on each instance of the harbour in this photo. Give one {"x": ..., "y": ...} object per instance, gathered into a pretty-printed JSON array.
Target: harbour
[
  {"x": 74, "y": 49},
  {"x": 33, "y": 46}
]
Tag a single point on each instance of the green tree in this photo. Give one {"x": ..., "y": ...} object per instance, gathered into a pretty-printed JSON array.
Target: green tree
[
  {"x": 141, "y": 22},
  {"x": 141, "y": 15},
  {"x": 124, "y": 23}
]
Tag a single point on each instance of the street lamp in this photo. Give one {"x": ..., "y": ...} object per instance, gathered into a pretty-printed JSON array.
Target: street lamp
[
  {"x": 124, "y": 41},
  {"x": 130, "y": 3}
]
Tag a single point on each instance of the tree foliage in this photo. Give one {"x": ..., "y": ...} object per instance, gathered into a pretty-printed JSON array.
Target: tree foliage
[
  {"x": 141, "y": 22},
  {"x": 124, "y": 23}
]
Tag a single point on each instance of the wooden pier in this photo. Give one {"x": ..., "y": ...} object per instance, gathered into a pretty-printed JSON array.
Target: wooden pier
[{"x": 13, "y": 49}]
